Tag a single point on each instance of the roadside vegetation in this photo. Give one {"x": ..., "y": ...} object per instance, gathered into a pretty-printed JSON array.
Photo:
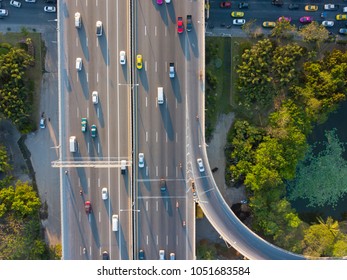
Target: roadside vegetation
[
  {"x": 21, "y": 233},
  {"x": 282, "y": 89}
]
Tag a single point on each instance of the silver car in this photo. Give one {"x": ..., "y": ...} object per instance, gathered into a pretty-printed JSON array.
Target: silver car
[
  {"x": 328, "y": 23},
  {"x": 200, "y": 165},
  {"x": 239, "y": 21}
]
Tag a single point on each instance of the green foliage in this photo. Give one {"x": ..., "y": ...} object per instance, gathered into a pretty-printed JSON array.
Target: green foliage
[
  {"x": 322, "y": 178},
  {"x": 283, "y": 29},
  {"x": 4, "y": 160},
  {"x": 14, "y": 95},
  {"x": 206, "y": 251}
]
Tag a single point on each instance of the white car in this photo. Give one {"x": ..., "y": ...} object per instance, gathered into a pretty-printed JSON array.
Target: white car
[
  {"x": 104, "y": 193},
  {"x": 50, "y": 9},
  {"x": 200, "y": 165},
  {"x": 344, "y": 9},
  {"x": 239, "y": 21},
  {"x": 172, "y": 256},
  {"x": 161, "y": 255},
  {"x": 98, "y": 28},
  {"x": 167, "y": 1},
  {"x": 79, "y": 64},
  {"x": 3, "y": 12},
  {"x": 141, "y": 160},
  {"x": 328, "y": 23},
  {"x": 77, "y": 20},
  {"x": 42, "y": 123},
  {"x": 122, "y": 57},
  {"x": 15, "y": 3},
  {"x": 95, "y": 97}
]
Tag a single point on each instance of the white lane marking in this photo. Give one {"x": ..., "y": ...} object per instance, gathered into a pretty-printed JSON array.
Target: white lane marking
[
  {"x": 87, "y": 41},
  {"x": 98, "y": 112},
  {"x": 146, "y": 66},
  {"x": 147, "y": 239},
  {"x": 156, "y": 137},
  {"x": 97, "y": 42},
  {"x": 90, "y": 250},
  {"x": 97, "y": 77},
  {"x": 88, "y": 147},
  {"x": 99, "y": 217},
  {"x": 78, "y": 112},
  {"x": 165, "y": 31},
  {"x": 157, "y": 205},
  {"x": 176, "y": 240},
  {"x": 155, "y": 31},
  {"x": 97, "y": 2},
  {"x": 146, "y": 136},
  {"x": 87, "y": 76},
  {"x": 166, "y": 206},
  {"x": 156, "y": 66},
  {"x": 146, "y": 170},
  {"x": 76, "y": 41},
  {"x": 166, "y": 66},
  {"x": 166, "y": 137},
  {"x": 79, "y": 216},
  {"x": 176, "y": 104},
  {"x": 167, "y": 239},
  {"x": 98, "y": 148},
  {"x": 87, "y": 112},
  {"x": 157, "y": 240},
  {"x": 147, "y": 206},
  {"x": 76, "y": 3},
  {"x": 86, "y": 2},
  {"x": 77, "y": 77},
  {"x": 166, "y": 170},
  {"x": 156, "y": 170},
  {"x": 99, "y": 182},
  {"x": 145, "y": 30},
  {"x": 88, "y": 183},
  {"x": 176, "y": 137},
  {"x": 146, "y": 101}
]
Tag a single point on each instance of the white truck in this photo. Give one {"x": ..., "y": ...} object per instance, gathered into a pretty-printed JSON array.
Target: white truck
[
  {"x": 123, "y": 166},
  {"x": 172, "y": 70},
  {"x": 73, "y": 144}
]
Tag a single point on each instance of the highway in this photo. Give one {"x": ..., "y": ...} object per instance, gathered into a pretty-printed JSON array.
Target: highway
[{"x": 86, "y": 236}]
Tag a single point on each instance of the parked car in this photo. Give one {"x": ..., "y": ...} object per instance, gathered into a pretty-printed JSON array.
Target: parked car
[
  {"x": 162, "y": 185},
  {"x": 311, "y": 8},
  {"x": 328, "y": 23},
  {"x": 15, "y": 3},
  {"x": 243, "y": 5},
  {"x": 3, "y": 12},
  {"x": 43, "y": 123},
  {"x": 141, "y": 255},
  {"x": 105, "y": 255},
  {"x": 180, "y": 27},
  {"x": 306, "y": 19},
  {"x": 269, "y": 24},
  {"x": 331, "y": 7},
  {"x": 293, "y": 7},
  {"x": 278, "y": 3},
  {"x": 343, "y": 31},
  {"x": 237, "y": 14},
  {"x": 289, "y": 19},
  {"x": 344, "y": 9},
  {"x": 225, "y": 4},
  {"x": 341, "y": 17},
  {"x": 50, "y": 9}
]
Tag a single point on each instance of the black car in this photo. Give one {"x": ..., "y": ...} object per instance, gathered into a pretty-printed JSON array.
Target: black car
[
  {"x": 243, "y": 5},
  {"x": 278, "y": 3},
  {"x": 189, "y": 22},
  {"x": 293, "y": 7},
  {"x": 105, "y": 255}
]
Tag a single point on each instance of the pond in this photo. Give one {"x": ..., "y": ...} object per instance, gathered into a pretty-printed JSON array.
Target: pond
[{"x": 337, "y": 120}]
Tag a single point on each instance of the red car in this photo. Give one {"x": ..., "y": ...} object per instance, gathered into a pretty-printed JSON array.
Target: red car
[
  {"x": 88, "y": 207},
  {"x": 225, "y": 4},
  {"x": 306, "y": 19},
  {"x": 180, "y": 27}
]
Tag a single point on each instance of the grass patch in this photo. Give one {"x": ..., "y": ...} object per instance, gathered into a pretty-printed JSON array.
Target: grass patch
[{"x": 33, "y": 73}]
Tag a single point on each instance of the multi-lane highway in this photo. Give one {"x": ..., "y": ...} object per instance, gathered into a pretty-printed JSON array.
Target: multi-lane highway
[
  {"x": 87, "y": 236},
  {"x": 165, "y": 219}
]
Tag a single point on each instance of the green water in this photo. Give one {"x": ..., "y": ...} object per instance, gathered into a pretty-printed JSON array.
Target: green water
[{"x": 337, "y": 120}]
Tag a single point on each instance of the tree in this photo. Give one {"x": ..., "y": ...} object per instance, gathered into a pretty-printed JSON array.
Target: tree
[
  {"x": 4, "y": 161},
  {"x": 283, "y": 29},
  {"x": 318, "y": 241},
  {"x": 314, "y": 32}
]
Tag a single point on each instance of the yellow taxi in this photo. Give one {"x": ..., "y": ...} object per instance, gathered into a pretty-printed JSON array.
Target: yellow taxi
[
  {"x": 341, "y": 17},
  {"x": 237, "y": 14},
  {"x": 269, "y": 24},
  {"x": 311, "y": 8},
  {"x": 139, "y": 61}
]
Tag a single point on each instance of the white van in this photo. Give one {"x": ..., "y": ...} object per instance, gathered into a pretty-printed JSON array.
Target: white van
[
  {"x": 115, "y": 222},
  {"x": 160, "y": 95},
  {"x": 77, "y": 20},
  {"x": 73, "y": 144},
  {"x": 78, "y": 64}
]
